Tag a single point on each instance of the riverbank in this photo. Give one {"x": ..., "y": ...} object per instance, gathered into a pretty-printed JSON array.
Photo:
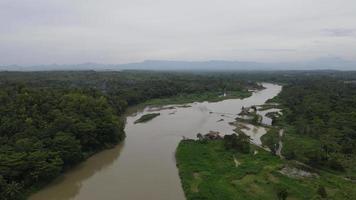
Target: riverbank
[
  {"x": 147, "y": 153},
  {"x": 177, "y": 100},
  {"x": 198, "y": 97},
  {"x": 208, "y": 171}
]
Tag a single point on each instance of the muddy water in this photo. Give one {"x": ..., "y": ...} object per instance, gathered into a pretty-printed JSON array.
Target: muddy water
[
  {"x": 143, "y": 167},
  {"x": 267, "y": 120}
]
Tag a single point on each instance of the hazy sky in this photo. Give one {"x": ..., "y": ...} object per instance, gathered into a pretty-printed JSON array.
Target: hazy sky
[{"x": 120, "y": 31}]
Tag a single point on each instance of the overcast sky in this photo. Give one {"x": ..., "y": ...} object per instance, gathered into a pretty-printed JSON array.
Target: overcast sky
[{"x": 121, "y": 31}]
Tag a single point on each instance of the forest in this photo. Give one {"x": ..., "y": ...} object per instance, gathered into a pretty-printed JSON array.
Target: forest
[
  {"x": 46, "y": 131},
  {"x": 318, "y": 145},
  {"x": 320, "y": 115},
  {"x": 51, "y": 121}
]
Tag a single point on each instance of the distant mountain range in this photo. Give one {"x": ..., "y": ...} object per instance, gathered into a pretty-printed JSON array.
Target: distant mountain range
[{"x": 332, "y": 63}]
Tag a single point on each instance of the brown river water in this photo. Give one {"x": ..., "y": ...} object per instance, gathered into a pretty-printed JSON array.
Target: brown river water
[{"x": 143, "y": 166}]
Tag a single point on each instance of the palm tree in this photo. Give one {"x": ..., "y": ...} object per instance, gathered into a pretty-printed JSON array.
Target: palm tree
[{"x": 12, "y": 190}]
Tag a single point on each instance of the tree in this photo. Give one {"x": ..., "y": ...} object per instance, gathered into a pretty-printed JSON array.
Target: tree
[
  {"x": 271, "y": 140},
  {"x": 240, "y": 143},
  {"x": 322, "y": 192},
  {"x": 282, "y": 193},
  {"x": 13, "y": 191},
  {"x": 68, "y": 148}
]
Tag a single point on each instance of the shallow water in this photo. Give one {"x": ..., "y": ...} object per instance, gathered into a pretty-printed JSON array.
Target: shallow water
[
  {"x": 143, "y": 166},
  {"x": 267, "y": 120}
]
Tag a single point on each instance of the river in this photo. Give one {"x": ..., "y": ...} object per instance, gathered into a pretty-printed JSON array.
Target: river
[{"x": 143, "y": 166}]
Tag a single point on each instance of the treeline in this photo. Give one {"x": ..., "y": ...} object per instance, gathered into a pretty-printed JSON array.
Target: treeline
[
  {"x": 322, "y": 111},
  {"x": 45, "y": 131},
  {"x": 131, "y": 87},
  {"x": 50, "y": 121}
]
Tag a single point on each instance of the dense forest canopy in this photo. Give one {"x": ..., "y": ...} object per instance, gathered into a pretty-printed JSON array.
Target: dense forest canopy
[
  {"x": 316, "y": 133},
  {"x": 323, "y": 111},
  {"x": 130, "y": 87},
  {"x": 45, "y": 131},
  {"x": 50, "y": 121}
]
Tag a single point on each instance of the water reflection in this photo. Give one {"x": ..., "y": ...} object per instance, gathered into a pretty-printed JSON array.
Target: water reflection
[{"x": 68, "y": 185}]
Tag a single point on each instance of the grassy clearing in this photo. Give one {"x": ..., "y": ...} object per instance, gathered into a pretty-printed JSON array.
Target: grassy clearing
[
  {"x": 296, "y": 146},
  {"x": 208, "y": 171},
  {"x": 299, "y": 147},
  {"x": 146, "y": 118},
  {"x": 271, "y": 139},
  {"x": 198, "y": 97}
]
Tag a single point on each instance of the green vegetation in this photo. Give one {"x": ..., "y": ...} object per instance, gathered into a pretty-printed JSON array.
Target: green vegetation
[
  {"x": 319, "y": 116},
  {"x": 198, "y": 97},
  {"x": 238, "y": 143},
  {"x": 147, "y": 117},
  {"x": 50, "y": 121},
  {"x": 292, "y": 148},
  {"x": 133, "y": 87},
  {"x": 268, "y": 106},
  {"x": 274, "y": 116},
  {"x": 271, "y": 139},
  {"x": 319, "y": 130},
  {"x": 44, "y": 132},
  {"x": 251, "y": 118},
  {"x": 208, "y": 171}
]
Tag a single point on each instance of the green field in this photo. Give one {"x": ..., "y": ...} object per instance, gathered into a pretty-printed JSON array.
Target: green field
[
  {"x": 208, "y": 171},
  {"x": 197, "y": 97}
]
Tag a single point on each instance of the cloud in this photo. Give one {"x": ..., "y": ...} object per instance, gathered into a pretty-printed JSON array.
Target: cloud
[
  {"x": 340, "y": 32},
  {"x": 121, "y": 31},
  {"x": 277, "y": 50}
]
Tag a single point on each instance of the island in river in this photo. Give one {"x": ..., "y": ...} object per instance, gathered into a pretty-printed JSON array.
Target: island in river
[
  {"x": 51, "y": 121},
  {"x": 144, "y": 166},
  {"x": 283, "y": 162},
  {"x": 146, "y": 117}
]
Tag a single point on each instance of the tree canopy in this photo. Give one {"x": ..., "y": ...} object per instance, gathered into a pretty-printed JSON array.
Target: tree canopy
[{"x": 50, "y": 121}]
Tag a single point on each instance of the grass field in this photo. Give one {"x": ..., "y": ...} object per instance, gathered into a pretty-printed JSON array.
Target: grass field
[
  {"x": 208, "y": 171},
  {"x": 198, "y": 97}
]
